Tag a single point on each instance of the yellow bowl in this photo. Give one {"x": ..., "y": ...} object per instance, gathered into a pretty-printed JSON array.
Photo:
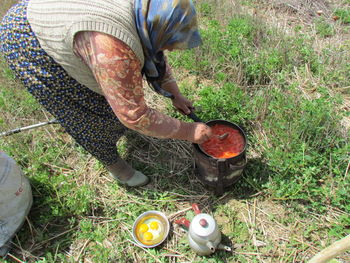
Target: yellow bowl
[{"x": 150, "y": 229}]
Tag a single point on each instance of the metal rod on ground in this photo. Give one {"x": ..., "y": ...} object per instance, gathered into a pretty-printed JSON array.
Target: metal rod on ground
[{"x": 7, "y": 133}]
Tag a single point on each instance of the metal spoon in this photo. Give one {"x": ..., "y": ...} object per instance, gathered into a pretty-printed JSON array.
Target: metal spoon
[{"x": 222, "y": 136}]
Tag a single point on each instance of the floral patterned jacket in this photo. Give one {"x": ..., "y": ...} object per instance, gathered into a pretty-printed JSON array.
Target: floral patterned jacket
[{"x": 118, "y": 72}]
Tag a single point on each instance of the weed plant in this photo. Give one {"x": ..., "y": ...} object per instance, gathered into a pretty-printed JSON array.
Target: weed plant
[
  {"x": 343, "y": 14},
  {"x": 324, "y": 29},
  {"x": 245, "y": 47}
]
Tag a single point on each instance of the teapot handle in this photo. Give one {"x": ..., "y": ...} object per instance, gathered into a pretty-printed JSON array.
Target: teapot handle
[
  {"x": 183, "y": 221},
  {"x": 196, "y": 209}
]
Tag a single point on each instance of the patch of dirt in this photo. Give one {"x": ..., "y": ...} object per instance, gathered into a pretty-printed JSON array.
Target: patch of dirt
[
  {"x": 263, "y": 215},
  {"x": 305, "y": 9},
  {"x": 272, "y": 228}
]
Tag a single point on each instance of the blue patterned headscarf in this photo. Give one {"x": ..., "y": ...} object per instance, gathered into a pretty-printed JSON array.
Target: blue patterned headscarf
[{"x": 165, "y": 24}]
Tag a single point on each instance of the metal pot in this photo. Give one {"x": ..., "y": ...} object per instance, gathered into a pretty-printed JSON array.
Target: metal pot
[
  {"x": 203, "y": 234},
  {"x": 214, "y": 172}
]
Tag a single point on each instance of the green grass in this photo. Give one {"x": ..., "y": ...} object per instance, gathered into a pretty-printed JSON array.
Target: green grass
[
  {"x": 245, "y": 47},
  {"x": 293, "y": 195},
  {"x": 324, "y": 29},
  {"x": 343, "y": 14}
]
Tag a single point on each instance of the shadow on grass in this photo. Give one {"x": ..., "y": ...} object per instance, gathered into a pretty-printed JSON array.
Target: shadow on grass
[{"x": 171, "y": 167}]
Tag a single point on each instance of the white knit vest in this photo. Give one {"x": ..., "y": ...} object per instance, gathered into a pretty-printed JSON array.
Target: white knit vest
[{"x": 56, "y": 22}]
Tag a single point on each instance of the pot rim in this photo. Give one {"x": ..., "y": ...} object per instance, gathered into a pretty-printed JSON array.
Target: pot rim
[{"x": 232, "y": 124}]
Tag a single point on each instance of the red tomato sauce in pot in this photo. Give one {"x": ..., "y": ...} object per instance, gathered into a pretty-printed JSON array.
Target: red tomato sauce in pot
[{"x": 225, "y": 148}]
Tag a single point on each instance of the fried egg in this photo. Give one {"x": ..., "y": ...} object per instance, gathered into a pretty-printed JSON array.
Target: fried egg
[{"x": 150, "y": 231}]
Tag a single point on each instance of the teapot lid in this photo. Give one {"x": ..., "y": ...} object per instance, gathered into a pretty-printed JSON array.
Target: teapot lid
[{"x": 203, "y": 225}]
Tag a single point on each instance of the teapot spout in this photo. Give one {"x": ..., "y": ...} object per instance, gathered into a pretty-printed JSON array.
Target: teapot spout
[
  {"x": 211, "y": 246},
  {"x": 223, "y": 247}
]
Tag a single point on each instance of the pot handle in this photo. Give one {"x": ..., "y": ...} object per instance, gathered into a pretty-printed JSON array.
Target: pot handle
[
  {"x": 183, "y": 221},
  {"x": 194, "y": 117}
]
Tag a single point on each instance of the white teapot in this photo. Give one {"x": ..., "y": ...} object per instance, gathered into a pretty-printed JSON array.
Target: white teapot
[{"x": 204, "y": 235}]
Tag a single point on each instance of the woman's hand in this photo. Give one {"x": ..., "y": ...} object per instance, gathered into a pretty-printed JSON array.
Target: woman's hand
[
  {"x": 182, "y": 104},
  {"x": 202, "y": 133}
]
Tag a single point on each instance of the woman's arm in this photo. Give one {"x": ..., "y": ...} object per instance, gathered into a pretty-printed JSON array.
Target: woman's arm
[
  {"x": 118, "y": 72},
  {"x": 168, "y": 83}
]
